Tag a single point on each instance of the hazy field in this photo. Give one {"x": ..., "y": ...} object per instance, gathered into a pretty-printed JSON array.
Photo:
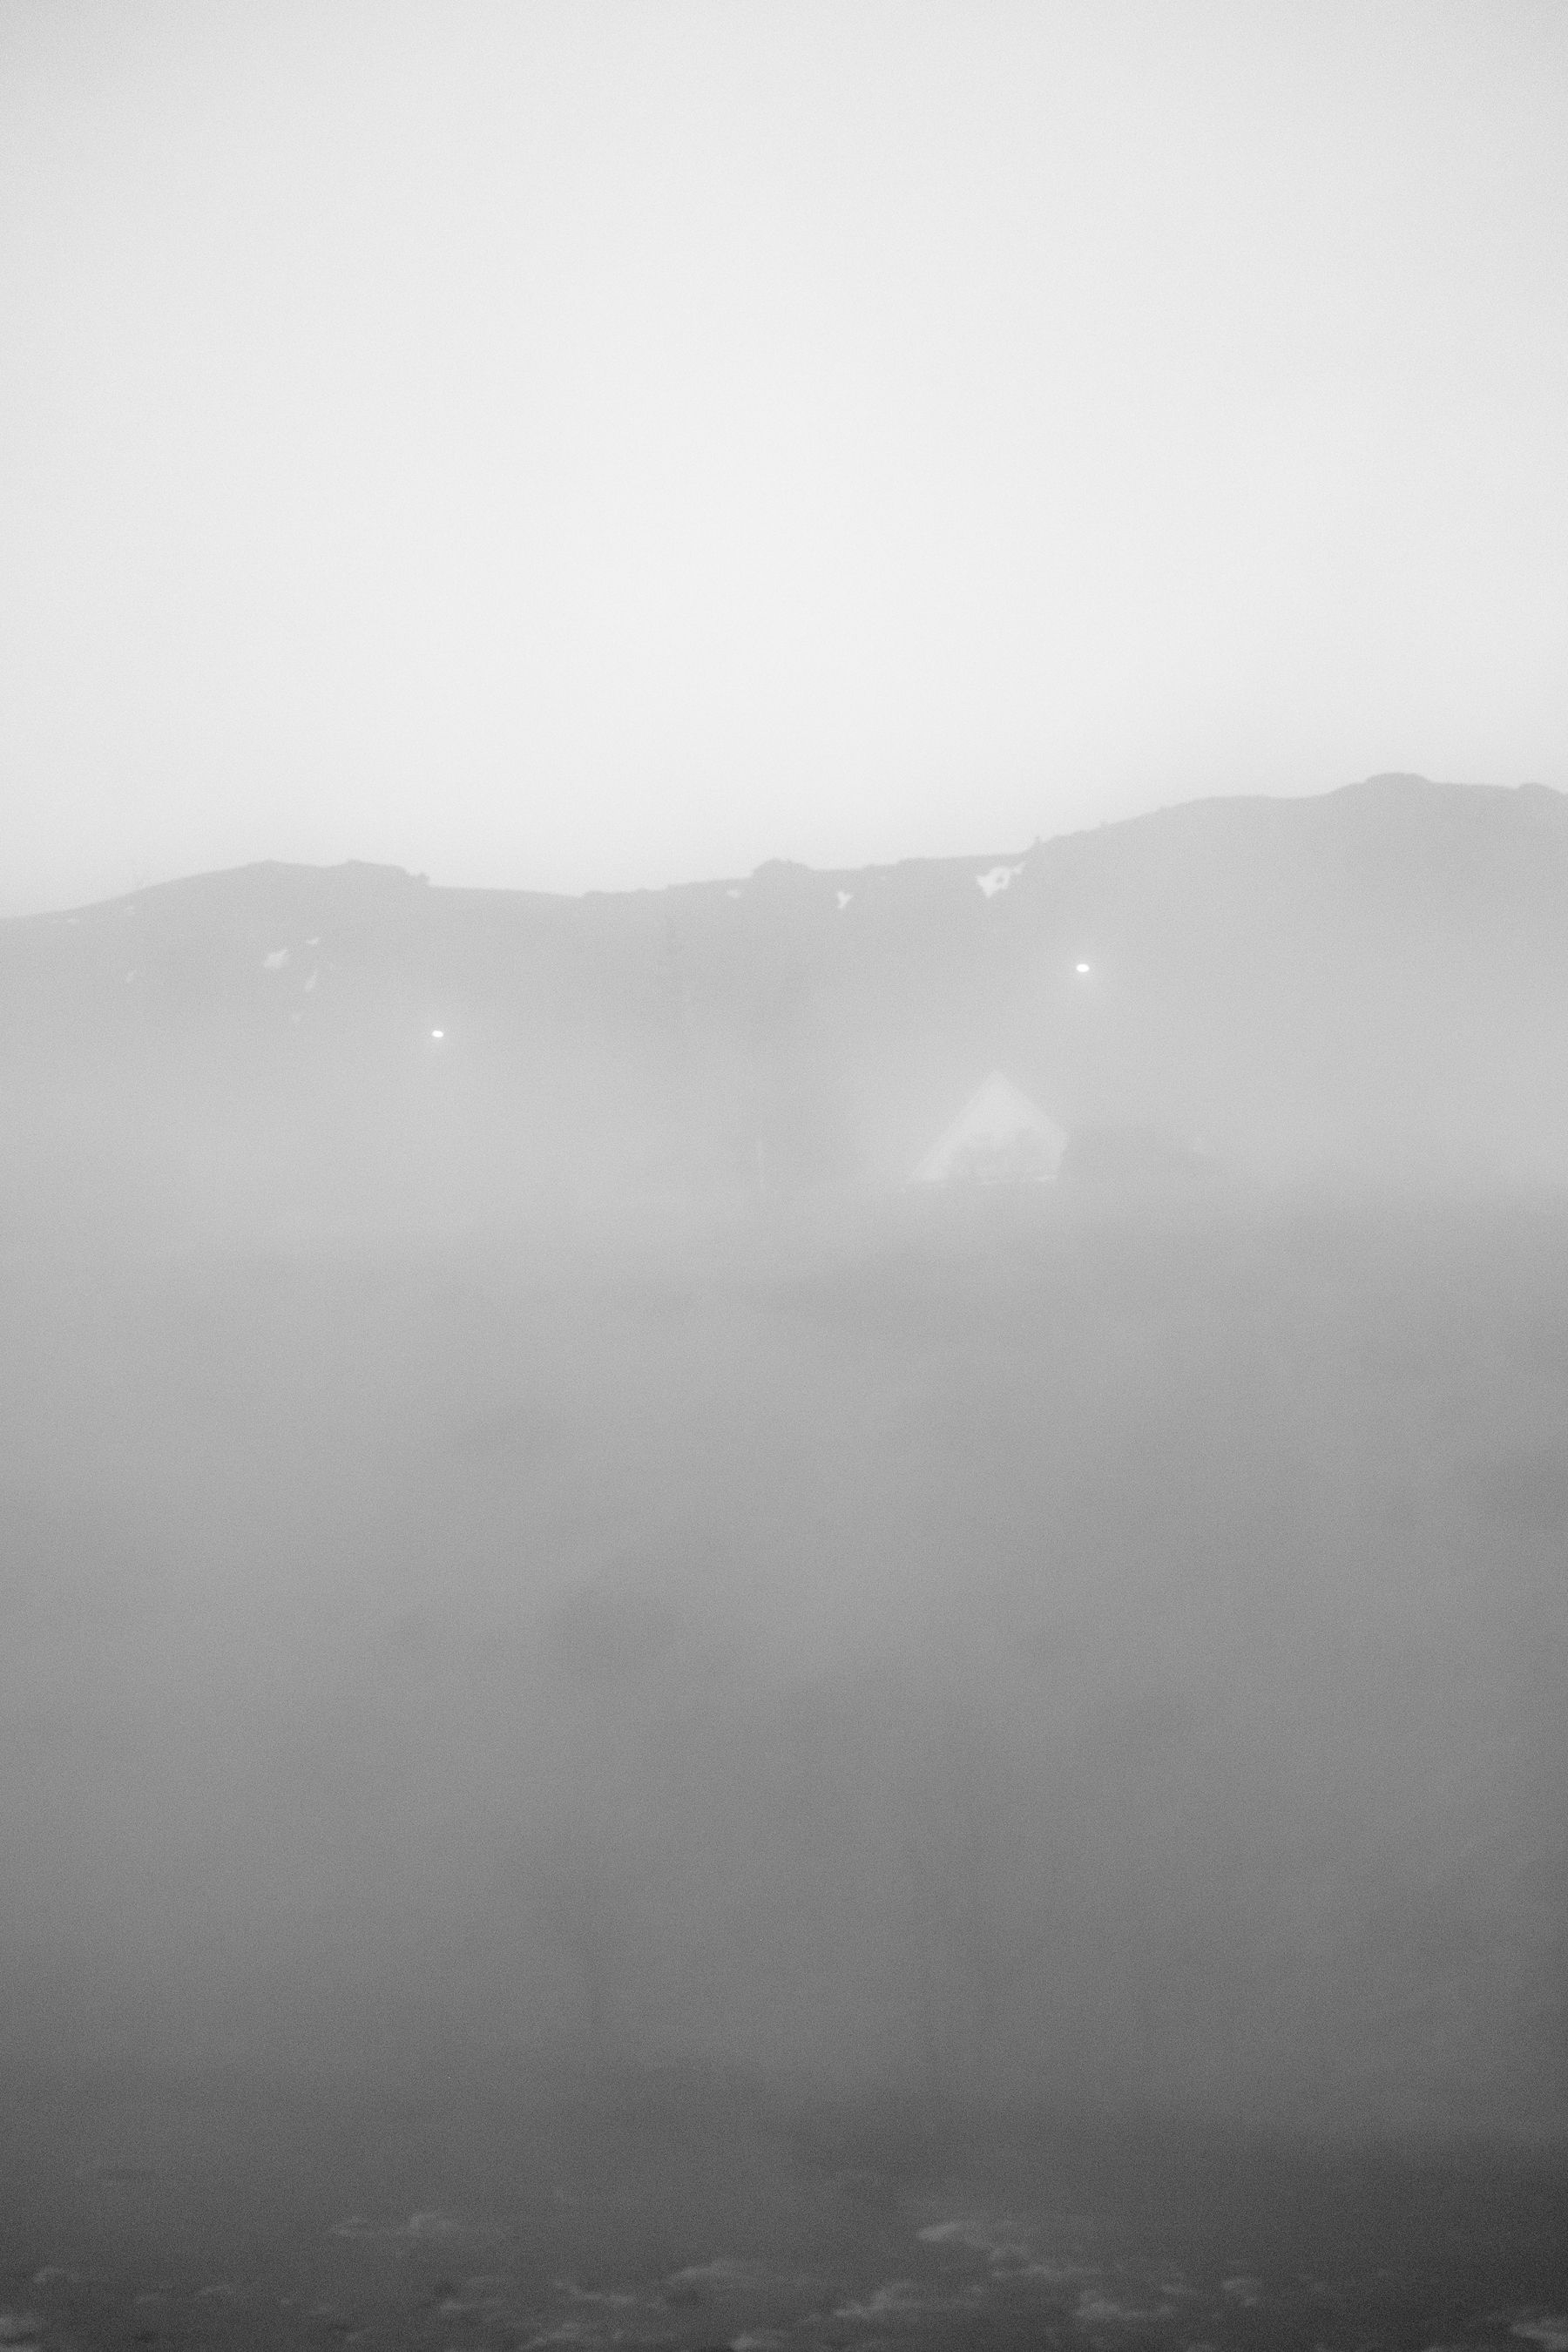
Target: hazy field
[
  {"x": 967, "y": 1651},
  {"x": 997, "y": 1657}
]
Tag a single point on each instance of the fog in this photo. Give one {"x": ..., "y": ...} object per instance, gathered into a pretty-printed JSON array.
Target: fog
[
  {"x": 1001, "y": 1647},
  {"x": 526, "y": 1541},
  {"x": 816, "y": 1601},
  {"x": 605, "y": 1695}
]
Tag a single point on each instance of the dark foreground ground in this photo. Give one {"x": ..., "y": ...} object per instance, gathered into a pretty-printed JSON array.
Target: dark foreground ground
[{"x": 666, "y": 2209}]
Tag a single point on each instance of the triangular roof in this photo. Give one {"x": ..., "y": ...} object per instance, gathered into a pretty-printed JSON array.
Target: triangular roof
[{"x": 999, "y": 1138}]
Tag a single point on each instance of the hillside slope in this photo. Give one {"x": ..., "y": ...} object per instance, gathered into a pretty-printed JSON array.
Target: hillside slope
[{"x": 1373, "y": 981}]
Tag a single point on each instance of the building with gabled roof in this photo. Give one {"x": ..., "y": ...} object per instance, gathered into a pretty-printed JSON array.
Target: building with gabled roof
[{"x": 999, "y": 1138}]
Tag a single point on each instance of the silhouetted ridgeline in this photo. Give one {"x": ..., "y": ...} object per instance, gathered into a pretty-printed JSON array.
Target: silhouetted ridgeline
[{"x": 1372, "y": 984}]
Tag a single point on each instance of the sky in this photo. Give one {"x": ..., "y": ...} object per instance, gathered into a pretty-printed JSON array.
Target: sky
[{"x": 592, "y": 446}]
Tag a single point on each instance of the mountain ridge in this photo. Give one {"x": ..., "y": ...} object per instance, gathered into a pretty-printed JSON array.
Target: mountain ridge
[{"x": 1386, "y": 789}]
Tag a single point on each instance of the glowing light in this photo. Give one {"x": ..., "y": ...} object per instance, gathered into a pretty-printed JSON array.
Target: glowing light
[
  {"x": 1080, "y": 966},
  {"x": 437, "y": 1035}
]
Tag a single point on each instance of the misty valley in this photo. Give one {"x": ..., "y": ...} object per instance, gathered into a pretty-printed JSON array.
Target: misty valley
[{"x": 819, "y": 1611}]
